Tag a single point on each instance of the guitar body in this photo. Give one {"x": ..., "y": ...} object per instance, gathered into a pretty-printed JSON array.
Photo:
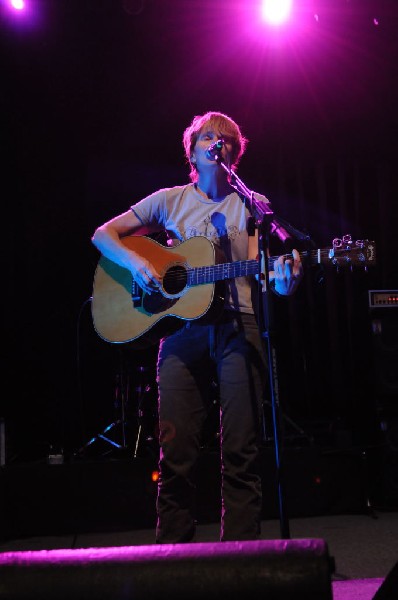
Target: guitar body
[{"x": 118, "y": 318}]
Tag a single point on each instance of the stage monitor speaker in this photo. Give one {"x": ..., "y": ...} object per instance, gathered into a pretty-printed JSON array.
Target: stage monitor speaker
[
  {"x": 389, "y": 588},
  {"x": 384, "y": 326},
  {"x": 272, "y": 569}
]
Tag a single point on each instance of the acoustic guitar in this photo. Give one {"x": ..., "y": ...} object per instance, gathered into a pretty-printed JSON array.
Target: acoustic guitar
[{"x": 122, "y": 312}]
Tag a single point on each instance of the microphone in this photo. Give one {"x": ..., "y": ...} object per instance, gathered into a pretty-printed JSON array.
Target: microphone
[{"x": 213, "y": 152}]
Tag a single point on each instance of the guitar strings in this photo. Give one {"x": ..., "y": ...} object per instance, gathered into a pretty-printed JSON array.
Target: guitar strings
[{"x": 182, "y": 274}]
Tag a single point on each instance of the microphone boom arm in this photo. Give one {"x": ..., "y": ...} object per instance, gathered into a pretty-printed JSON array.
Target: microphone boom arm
[{"x": 262, "y": 210}]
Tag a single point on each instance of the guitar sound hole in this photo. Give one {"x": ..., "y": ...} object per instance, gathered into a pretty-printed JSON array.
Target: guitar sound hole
[{"x": 175, "y": 280}]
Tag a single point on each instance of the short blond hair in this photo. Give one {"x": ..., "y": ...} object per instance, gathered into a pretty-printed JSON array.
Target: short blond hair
[{"x": 222, "y": 123}]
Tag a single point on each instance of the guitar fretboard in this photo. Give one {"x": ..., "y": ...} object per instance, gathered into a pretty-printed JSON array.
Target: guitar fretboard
[{"x": 222, "y": 271}]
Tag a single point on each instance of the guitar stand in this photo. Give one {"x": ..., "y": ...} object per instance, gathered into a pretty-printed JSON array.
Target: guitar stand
[
  {"x": 121, "y": 395},
  {"x": 118, "y": 435}
]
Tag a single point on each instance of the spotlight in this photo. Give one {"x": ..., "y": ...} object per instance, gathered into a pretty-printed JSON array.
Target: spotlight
[{"x": 276, "y": 12}]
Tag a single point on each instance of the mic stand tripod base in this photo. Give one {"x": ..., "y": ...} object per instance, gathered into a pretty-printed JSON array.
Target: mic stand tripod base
[{"x": 105, "y": 438}]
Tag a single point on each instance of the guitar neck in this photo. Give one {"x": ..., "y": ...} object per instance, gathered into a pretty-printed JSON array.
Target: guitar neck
[
  {"x": 241, "y": 268},
  {"x": 346, "y": 255}
]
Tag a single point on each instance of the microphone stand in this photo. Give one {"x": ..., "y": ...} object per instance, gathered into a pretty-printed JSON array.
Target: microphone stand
[{"x": 267, "y": 223}]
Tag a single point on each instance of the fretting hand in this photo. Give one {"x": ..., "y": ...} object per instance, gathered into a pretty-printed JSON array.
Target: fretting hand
[{"x": 288, "y": 272}]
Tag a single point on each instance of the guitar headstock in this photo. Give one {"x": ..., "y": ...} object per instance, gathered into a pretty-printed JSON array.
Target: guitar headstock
[{"x": 347, "y": 253}]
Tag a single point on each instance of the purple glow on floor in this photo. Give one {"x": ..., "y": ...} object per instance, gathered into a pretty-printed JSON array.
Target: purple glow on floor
[
  {"x": 162, "y": 552},
  {"x": 356, "y": 589}
]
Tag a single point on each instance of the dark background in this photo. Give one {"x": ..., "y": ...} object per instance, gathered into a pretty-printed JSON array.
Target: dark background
[{"x": 95, "y": 97}]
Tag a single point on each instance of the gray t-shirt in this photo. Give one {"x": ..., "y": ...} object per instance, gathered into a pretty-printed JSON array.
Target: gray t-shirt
[{"x": 185, "y": 213}]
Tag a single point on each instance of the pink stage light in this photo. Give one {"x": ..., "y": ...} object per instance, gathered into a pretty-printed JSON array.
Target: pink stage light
[
  {"x": 24, "y": 15},
  {"x": 280, "y": 24},
  {"x": 17, "y": 4},
  {"x": 276, "y": 12}
]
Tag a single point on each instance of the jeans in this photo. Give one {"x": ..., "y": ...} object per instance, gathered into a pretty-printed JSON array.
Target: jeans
[{"x": 233, "y": 351}]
